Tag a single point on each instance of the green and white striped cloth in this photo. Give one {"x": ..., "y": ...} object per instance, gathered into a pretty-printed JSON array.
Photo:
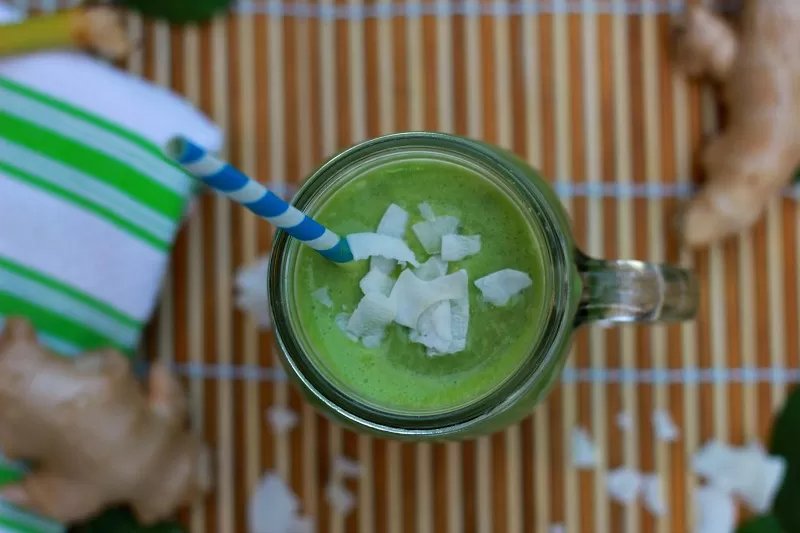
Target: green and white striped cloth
[
  {"x": 88, "y": 212},
  {"x": 89, "y": 209}
]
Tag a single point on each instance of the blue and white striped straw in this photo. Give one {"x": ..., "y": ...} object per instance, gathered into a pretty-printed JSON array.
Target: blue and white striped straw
[{"x": 223, "y": 178}]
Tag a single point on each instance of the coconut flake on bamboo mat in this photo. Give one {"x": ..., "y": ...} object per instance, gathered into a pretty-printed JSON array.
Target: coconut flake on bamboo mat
[
  {"x": 340, "y": 499},
  {"x": 346, "y": 467},
  {"x": 719, "y": 464},
  {"x": 281, "y": 419},
  {"x": 747, "y": 472},
  {"x": 584, "y": 452},
  {"x": 766, "y": 476},
  {"x": 653, "y": 494},
  {"x": 273, "y": 508},
  {"x": 251, "y": 287},
  {"x": 715, "y": 511},
  {"x": 624, "y": 421},
  {"x": 664, "y": 427},
  {"x": 623, "y": 485},
  {"x": 303, "y": 524}
]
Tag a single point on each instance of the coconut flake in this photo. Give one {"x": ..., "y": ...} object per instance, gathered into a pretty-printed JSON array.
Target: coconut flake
[
  {"x": 322, "y": 296},
  {"x": 302, "y": 524},
  {"x": 273, "y": 506},
  {"x": 459, "y": 310},
  {"x": 340, "y": 499},
  {"x": 257, "y": 308},
  {"x": 718, "y": 463},
  {"x": 346, "y": 467},
  {"x": 412, "y": 296},
  {"x": 253, "y": 274},
  {"x": 431, "y": 269},
  {"x": 393, "y": 223},
  {"x": 459, "y": 313},
  {"x": 281, "y": 419},
  {"x": 364, "y": 245},
  {"x": 251, "y": 287},
  {"x": 754, "y": 476},
  {"x": 584, "y": 453},
  {"x": 434, "y": 328},
  {"x": 747, "y": 472},
  {"x": 623, "y": 485},
  {"x": 341, "y": 321},
  {"x": 716, "y": 511},
  {"x": 499, "y": 287},
  {"x": 382, "y": 264},
  {"x": 426, "y": 211},
  {"x": 665, "y": 428},
  {"x": 430, "y": 232},
  {"x": 757, "y": 447},
  {"x": 766, "y": 479},
  {"x": 376, "y": 282},
  {"x": 652, "y": 494},
  {"x": 370, "y": 318},
  {"x": 624, "y": 421},
  {"x": 457, "y": 247},
  {"x": 374, "y": 340}
]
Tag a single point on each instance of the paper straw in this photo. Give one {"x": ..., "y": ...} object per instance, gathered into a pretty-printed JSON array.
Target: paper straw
[{"x": 225, "y": 179}]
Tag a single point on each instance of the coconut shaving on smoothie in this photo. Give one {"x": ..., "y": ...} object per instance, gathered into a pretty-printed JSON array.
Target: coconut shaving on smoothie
[
  {"x": 427, "y": 300},
  {"x": 447, "y": 297}
]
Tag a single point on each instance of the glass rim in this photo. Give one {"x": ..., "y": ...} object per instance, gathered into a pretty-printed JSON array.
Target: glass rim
[{"x": 542, "y": 354}]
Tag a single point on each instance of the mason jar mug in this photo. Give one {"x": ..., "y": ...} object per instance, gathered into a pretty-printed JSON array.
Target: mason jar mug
[{"x": 572, "y": 290}]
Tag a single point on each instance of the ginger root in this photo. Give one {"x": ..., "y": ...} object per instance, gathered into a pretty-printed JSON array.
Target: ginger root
[
  {"x": 96, "y": 438},
  {"x": 757, "y": 69},
  {"x": 96, "y": 29}
]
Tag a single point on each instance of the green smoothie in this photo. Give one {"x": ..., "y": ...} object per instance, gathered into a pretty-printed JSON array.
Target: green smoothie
[{"x": 398, "y": 375}]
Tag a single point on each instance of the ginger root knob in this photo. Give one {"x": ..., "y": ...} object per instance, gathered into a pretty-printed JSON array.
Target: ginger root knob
[
  {"x": 100, "y": 29},
  {"x": 758, "y": 72}
]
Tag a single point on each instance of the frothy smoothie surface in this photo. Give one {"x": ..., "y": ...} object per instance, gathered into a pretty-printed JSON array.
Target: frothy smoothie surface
[{"x": 392, "y": 372}]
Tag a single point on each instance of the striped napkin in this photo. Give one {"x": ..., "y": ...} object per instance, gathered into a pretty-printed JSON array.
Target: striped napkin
[{"x": 89, "y": 207}]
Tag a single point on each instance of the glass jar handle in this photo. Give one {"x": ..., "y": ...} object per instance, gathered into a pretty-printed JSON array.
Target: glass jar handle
[{"x": 618, "y": 292}]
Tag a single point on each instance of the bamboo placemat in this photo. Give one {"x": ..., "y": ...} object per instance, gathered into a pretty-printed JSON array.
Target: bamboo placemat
[{"x": 583, "y": 90}]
